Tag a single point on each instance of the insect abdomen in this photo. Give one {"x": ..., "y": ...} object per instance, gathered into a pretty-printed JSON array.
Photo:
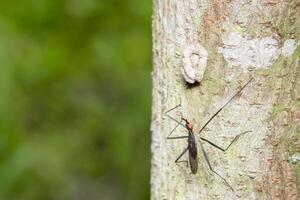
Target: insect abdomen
[{"x": 193, "y": 159}]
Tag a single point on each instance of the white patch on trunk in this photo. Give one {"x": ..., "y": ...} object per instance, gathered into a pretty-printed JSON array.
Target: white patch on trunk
[
  {"x": 289, "y": 47},
  {"x": 295, "y": 158},
  {"x": 194, "y": 63},
  {"x": 248, "y": 53}
]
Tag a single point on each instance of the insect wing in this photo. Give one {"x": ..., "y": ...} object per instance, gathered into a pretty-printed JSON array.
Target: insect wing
[{"x": 193, "y": 160}]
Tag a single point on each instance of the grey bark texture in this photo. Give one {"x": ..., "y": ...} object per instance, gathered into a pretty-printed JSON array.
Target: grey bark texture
[{"x": 242, "y": 39}]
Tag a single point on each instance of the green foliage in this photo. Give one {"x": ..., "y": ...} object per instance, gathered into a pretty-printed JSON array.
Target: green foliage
[{"x": 75, "y": 99}]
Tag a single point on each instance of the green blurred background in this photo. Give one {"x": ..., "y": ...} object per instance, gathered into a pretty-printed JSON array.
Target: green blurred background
[{"x": 75, "y": 91}]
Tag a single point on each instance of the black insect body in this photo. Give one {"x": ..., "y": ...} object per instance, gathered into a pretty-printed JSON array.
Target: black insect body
[{"x": 192, "y": 145}]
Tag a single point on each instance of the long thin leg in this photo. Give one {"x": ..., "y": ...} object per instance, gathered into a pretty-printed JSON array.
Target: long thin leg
[
  {"x": 178, "y": 122},
  {"x": 176, "y": 137},
  {"x": 222, "y": 149},
  {"x": 173, "y": 108},
  {"x": 238, "y": 92},
  {"x": 210, "y": 167},
  {"x": 184, "y": 151}
]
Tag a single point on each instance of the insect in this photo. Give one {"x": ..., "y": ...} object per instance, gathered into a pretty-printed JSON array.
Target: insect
[{"x": 192, "y": 145}]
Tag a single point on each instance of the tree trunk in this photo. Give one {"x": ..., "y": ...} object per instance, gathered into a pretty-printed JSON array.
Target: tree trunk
[{"x": 240, "y": 39}]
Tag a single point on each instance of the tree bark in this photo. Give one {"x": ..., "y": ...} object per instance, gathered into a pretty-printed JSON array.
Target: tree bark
[{"x": 242, "y": 39}]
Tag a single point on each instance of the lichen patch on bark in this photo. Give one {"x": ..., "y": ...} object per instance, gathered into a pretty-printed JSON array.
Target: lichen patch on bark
[
  {"x": 254, "y": 53},
  {"x": 289, "y": 47}
]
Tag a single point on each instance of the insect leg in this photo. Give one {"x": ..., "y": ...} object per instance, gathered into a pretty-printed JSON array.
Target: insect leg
[
  {"x": 224, "y": 149},
  {"x": 236, "y": 94},
  {"x": 178, "y": 122},
  {"x": 177, "y": 160},
  {"x": 176, "y": 137},
  {"x": 210, "y": 167}
]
